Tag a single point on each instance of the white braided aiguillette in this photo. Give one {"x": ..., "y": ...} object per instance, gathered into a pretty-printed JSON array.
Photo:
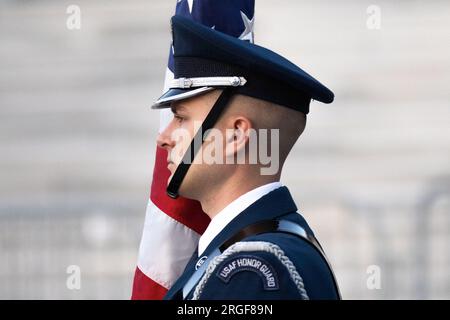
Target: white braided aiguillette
[{"x": 246, "y": 246}]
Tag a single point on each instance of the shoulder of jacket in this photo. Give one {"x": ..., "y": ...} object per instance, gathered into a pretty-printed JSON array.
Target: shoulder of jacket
[{"x": 264, "y": 258}]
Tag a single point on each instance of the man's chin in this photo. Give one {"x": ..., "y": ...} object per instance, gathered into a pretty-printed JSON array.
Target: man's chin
[{"x": 181, "y": 190}]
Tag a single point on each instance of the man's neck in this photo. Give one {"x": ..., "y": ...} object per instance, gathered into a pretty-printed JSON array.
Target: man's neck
[{"x": 218, "y": 198}]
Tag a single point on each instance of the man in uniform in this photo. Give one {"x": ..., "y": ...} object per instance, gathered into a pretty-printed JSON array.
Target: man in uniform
[{"x": 257, "y": 245}]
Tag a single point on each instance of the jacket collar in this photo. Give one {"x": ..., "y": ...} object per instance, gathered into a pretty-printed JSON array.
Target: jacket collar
[{"x": 273, "y": 205}]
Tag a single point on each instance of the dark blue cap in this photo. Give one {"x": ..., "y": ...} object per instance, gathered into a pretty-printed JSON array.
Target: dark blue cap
[{"x": 206, "y": 59}]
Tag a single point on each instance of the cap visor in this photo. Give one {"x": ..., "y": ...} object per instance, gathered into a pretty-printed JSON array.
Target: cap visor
[{"x": 176, "y": 94}]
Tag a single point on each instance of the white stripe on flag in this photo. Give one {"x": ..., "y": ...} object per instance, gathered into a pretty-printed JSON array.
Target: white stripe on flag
[{"x": 161, "y": 257}]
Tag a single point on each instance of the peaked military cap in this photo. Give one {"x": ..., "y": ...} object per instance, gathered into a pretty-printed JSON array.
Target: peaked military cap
[{"x": 205, "y": 59}]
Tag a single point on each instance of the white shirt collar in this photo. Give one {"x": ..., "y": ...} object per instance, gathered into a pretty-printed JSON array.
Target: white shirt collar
[{"x": 231, "y": 211}]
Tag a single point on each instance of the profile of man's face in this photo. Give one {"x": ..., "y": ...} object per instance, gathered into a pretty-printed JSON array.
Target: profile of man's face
[
  {"x": 249, "y": 127},
  {"x": 188, "y": 115}
]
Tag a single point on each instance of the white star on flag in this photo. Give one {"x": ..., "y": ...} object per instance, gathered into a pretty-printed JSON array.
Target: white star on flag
[
  {"x": 190, "y": 4},
  {"x": 247, "y": 34}
]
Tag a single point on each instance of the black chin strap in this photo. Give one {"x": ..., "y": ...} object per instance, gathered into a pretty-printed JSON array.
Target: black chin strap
[{"x": 188, "y": 157}]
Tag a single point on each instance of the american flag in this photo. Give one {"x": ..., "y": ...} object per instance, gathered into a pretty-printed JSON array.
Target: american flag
[{"x": 172, "y": 227}]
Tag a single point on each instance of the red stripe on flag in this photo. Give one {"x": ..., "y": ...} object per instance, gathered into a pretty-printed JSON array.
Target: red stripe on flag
[
  {"x": 185, "y": 211},
  {"x": 145, "y": 288}
]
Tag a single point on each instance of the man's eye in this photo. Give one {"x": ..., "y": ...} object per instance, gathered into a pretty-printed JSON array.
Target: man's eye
[{"x": 178, "y": 118}]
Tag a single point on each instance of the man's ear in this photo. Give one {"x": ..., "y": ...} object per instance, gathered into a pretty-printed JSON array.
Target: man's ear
[{"x": 237, "y": 137}]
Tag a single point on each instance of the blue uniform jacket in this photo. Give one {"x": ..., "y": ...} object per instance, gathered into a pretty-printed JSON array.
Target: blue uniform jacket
[{"x": 274, "y": 266}]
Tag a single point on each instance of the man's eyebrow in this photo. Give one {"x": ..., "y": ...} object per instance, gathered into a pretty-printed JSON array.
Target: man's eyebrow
[{"x": 177, "y": 107}]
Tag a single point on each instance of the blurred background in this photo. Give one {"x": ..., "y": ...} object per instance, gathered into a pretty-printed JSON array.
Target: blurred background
[{"x": 371, "y": 173}]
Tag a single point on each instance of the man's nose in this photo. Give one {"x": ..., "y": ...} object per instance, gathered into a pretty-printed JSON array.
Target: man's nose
[{"x": 164, "y": 139}]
